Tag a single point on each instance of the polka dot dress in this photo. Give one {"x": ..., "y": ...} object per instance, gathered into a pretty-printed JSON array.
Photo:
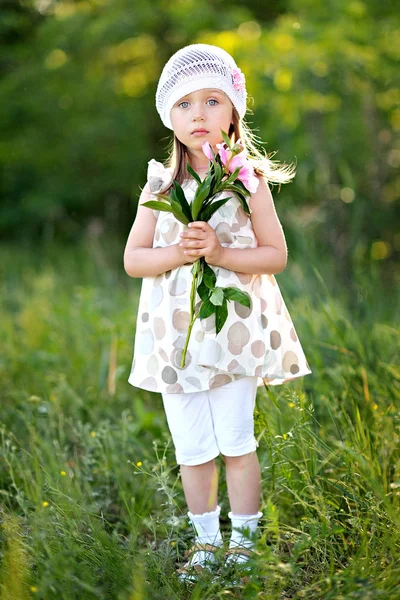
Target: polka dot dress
[{"x": 260, "y": 340}]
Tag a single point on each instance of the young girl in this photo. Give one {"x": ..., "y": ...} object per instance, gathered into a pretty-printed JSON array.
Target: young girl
[{"x": 209, "y": 403}]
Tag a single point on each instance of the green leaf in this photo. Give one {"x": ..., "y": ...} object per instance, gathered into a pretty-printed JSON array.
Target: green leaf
[
  {"x": 209, "y": 277},
  {"x": 217, "y": 296},
  {"x": 210, "y": 209},
  {"x": 178, "y": 214},
  {"x": 226, "y": 139},
  {"x": 221, "y": 314},
  {"x": 207, "y": 309},
  {"x": 156, "y": 205},
  {"x": 231, "y": 293},
  {"x": 193, "y": 173},
  {"x": 179, "y": 194},
  {"x": 201, "y": 193},
  {"x": 233, "y": 176},
  {"x": 203, "y": 292}
]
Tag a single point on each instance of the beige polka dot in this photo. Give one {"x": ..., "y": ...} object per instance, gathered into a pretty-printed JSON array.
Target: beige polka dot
[
  {"x": 181, "y": 320},
  {"x": 258, "y": 371},
  {"x": 158, "y": 280},
  {"x": 290, "y": 362},
  {"x": 145, "y": 317},
  {"x": 199, "y": 336},
  {"x": 244, "y": 278},
  {"x": 159, "y": 328},
  {"x": 235, "y": 367},
  {"x": 169, "y": 230},
  {"x": 263, "y": 305},
  {"x": 157, "y": 235},
  {"x": 219, "y": 380},
  {"x": 243, "y": 311},
  {"x": 224, "y": 273},
  {"x": 272, "y": 280},
  {"x": 238, "y": 337},
  {"x": 293, "y": 335},
  {"x": 287, "y": 315},
  {"x": 156, "y": 297},
  {"x": 224, "y": 234},
  {"x": 176, "y": 358},
  {"x": 241, "y": 219},
  {"x": 177, "y": 287},
  {"x": 152, "y": 365},
  {"x": 150, "y": 383},
  {"x": 208, "y": 324},
  {"x": 264, "y": 321},
  {"x": 163, "y": 354},
  {"x": 256, "y": 287},
  {"x": 179, "y": 342},
  {"x": 155, "y": 184},
  {"x": 194, "y": 382},
  {"x": 244, "y": 240},
  {"x": 213, "y": 351},
  {"x": 275, "y": 339},
  {"x": 278, "y": 303},
  {"x": 176, "y": 388},
  {"x": 167, "y": 274},
  {"x": 258, "y": 348},
  {"x": 146, "y": 341},
  {"x": 169, "y": 375}
]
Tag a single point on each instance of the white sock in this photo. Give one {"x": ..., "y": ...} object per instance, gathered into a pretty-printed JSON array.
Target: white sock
[
  {"x": 243, "y": 530},
  {"x": 207, "y": 528}
]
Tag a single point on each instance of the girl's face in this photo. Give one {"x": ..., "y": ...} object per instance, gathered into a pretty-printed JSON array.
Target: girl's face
[{"x": 199, "y": 117}]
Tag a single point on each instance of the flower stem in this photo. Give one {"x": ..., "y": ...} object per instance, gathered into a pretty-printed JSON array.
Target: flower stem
[{"x": 193, "y": 316}]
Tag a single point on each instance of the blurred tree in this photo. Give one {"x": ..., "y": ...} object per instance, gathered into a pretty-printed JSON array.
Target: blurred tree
[{"x": 79, "y": 122}]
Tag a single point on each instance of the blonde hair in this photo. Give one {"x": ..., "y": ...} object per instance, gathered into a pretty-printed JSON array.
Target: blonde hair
[{"x": 273, "y": 171}]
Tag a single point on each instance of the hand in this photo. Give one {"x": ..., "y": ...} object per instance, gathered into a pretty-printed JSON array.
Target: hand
[{"x": 199, "y": 240}]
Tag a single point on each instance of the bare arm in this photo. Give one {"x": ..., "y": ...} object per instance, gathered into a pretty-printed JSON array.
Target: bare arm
[
  {"x": 140, "y": 258},
  {"x": 269, "y": 257}
]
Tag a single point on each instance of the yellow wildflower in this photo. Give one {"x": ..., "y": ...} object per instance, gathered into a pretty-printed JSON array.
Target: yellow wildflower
[
  {"x": 63, "y": 473},
  {"x": 291, "y": 404},
  {"x": 44, "y": 504},
  {"x": 139, "y": 464},
  {"x": 93, "y": 434},
  {"x": 33, "y": 588}
]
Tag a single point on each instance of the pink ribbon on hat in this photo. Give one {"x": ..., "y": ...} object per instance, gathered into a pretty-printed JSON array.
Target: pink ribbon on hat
[{"x": 238, "y": 79}]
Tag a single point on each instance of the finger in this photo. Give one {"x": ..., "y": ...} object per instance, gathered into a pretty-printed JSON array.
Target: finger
[
  {"x": 199, "y": 224},
  {"x": 195, "y": 233}
]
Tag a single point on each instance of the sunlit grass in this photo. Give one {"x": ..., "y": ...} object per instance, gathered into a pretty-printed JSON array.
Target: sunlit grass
[{"x": 91, "y": 499}]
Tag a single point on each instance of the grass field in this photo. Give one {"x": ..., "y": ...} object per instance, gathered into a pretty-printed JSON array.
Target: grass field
[{"x": 91, "y": 500}]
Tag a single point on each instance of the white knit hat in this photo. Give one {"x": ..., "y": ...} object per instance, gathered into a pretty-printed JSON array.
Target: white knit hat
[{"x": 197, "y": 67}]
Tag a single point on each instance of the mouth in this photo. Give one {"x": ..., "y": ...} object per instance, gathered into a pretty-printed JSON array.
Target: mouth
[{"x": 199, "y": 132}]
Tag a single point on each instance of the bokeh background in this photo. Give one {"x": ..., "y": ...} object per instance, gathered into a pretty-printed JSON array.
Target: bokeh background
[
  {"x": 78, "y": 126},
  {"x": 79, "y": 122}
]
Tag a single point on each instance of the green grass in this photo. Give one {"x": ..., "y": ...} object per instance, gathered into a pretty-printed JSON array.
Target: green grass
[{"x": 91, "y": 502}]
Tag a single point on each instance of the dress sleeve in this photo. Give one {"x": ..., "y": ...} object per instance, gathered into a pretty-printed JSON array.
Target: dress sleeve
[{"x": 157, "y": 176}]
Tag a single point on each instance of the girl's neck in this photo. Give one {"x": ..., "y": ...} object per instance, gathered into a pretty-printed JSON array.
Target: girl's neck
[{"x": 199, "y": 163}]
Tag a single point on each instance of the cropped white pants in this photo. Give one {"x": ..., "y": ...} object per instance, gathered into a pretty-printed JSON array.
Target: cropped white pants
[{"x": 205, "y": 424}]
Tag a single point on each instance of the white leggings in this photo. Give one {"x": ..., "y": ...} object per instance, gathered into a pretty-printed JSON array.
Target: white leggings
[{"x": 205, "y": 424}]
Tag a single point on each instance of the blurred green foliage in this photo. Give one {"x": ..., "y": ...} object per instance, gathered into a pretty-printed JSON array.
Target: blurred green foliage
[{"x": 79, "y": 121}]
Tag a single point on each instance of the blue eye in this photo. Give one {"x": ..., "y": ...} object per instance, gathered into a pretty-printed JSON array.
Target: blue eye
[
  {"x": 184, "y": 102},
  {"x": 213, "y": 100}
]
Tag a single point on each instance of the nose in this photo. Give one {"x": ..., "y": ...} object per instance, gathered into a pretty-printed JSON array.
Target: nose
[{"x": 198, "y": 114}]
